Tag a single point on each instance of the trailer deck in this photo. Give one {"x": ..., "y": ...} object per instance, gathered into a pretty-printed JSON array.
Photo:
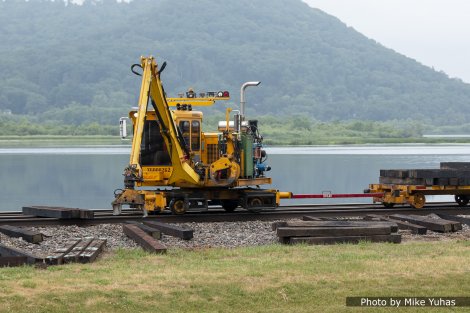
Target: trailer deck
[{"x": 411, "y": 186}]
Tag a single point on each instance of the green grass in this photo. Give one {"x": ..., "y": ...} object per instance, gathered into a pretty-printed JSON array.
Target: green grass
[
  {"x": 256, "y": 279},
  {"x": 291, "y": 130}
]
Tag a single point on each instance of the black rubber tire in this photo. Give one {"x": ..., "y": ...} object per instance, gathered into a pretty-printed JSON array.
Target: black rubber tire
[{"x": 388, "y": 204}]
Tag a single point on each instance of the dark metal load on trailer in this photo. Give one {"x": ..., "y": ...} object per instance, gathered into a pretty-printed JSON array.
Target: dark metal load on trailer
[{"x": 411, "y": 186}]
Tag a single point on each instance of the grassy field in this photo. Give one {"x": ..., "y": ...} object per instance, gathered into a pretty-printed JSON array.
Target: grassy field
[{"x": 256, "y": 279}]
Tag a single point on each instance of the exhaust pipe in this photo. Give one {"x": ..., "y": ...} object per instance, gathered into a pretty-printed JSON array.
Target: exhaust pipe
[{"x": 242, "y": 97}]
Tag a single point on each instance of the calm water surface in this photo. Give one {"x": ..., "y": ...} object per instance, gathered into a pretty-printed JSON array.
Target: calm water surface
[{"x": 86, "y": 176}]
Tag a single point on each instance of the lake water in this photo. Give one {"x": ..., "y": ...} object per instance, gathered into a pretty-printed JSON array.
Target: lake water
[{"x": 86, "y": 176}]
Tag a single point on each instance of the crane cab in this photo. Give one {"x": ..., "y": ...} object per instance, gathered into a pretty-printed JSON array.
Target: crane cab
[
  {"x": 190, "y": 125},
  {"x": 155, "y": 159}
]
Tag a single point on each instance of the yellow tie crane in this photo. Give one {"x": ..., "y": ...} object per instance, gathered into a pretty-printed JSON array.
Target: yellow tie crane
[{"x": 186, "y": 167}]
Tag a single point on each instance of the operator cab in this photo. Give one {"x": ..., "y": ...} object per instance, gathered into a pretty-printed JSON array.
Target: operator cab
[
  {"x": 189, "y": 123},
  {"x": 154, "y": 151}
]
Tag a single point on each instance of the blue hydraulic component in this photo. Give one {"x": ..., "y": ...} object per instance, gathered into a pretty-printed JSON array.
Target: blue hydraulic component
[
  {"x": 262, "y": 167},
  {"x": 259, "y": 158}
]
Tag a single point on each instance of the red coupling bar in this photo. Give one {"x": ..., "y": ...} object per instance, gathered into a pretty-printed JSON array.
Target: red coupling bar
[{"x": 337, "y": 195}]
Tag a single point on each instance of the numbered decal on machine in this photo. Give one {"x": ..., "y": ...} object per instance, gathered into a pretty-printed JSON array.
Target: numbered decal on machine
[
  {"x": 157, "y": 173},
  {"x": 158, "y": 169}
]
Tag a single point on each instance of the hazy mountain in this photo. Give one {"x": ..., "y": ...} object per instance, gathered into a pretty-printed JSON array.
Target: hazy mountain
[{"x": 71, "y": 63}]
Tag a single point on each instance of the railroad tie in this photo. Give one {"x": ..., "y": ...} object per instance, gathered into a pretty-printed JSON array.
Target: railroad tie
[
  {"x": 6, "y": 251},
  {"x": 58, "y": 212},
  {"x": 26, "y": 234},
  {"x": 393, "y": 238},
  {"x": 342, "y": 223},
  {"x": 91, "y": 252},
  {"x": 147, "y": 242},
  {"x": 155, "y": 233},
  {"x": 57, "y": 257},
  {"x": 9, "y": 261},
  {"x": 455, "y": 218},
  {"x": 77, "y": 250},
  {"x": 415, "y": 229},
  {"x": 341, "y": 231},
  {"x": 73, "y": 255},
  {"x": 438, "y": 225},
  {"x": 172, "y": 230}
]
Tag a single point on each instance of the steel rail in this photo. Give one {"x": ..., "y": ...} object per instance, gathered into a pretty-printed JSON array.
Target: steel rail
[
  {"x": 219, "y": 215},
  {"x": 284, "y": 206}
]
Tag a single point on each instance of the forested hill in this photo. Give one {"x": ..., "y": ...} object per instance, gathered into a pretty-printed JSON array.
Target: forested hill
[{"x": 71, "y": 63}]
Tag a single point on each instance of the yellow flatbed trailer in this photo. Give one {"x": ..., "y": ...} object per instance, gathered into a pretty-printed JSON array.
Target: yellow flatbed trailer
[{"x": 415, "y": 195}]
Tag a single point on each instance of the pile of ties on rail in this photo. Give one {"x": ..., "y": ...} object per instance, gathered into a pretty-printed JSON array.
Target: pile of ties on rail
[{"x": 373, "y": 228}]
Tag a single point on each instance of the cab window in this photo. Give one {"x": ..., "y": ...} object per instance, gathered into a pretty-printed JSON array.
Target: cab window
[
  {"x": 153, "y": 150},
  {"x": 185, "y": 131},
  {"x": 195, "y": 135}
]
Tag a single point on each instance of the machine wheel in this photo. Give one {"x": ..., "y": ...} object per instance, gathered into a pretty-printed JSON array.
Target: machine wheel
[
  {"x": 178, "y": 206},
  {"x": 418, "y": 201},
  {"x": 255, "y": 204},
  {"x": 229, "y": 205},
  {"x": 461, "y": 200},
  {"x": 388, "y": 204}
]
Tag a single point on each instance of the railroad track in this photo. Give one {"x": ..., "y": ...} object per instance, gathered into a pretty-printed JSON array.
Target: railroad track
[{"x": 219, "y": 215}]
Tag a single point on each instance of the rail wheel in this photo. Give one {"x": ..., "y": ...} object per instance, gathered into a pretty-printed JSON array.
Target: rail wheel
[
  {"x": 178, "y": 206},
  {"x": 418, "y": 201},
  {"x": 255, "y": 205},
  {"x": 388, "y": 204},
  {"x": 461, "y": 200},
  {"x": 229, "y": 205}
]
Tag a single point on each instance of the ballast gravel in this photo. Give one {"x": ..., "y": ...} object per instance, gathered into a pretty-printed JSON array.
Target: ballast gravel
[{"x": 206, "y": 235}]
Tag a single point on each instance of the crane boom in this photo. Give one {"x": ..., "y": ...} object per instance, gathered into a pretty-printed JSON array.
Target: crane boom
[{"x": 151, "y": 89}]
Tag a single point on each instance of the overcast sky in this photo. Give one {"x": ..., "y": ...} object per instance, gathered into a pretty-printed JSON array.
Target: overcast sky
[{"x": 434, "y": 32}]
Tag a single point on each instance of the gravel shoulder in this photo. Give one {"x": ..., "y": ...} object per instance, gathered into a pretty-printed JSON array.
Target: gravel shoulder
[{"x": 206, "y": 235}]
